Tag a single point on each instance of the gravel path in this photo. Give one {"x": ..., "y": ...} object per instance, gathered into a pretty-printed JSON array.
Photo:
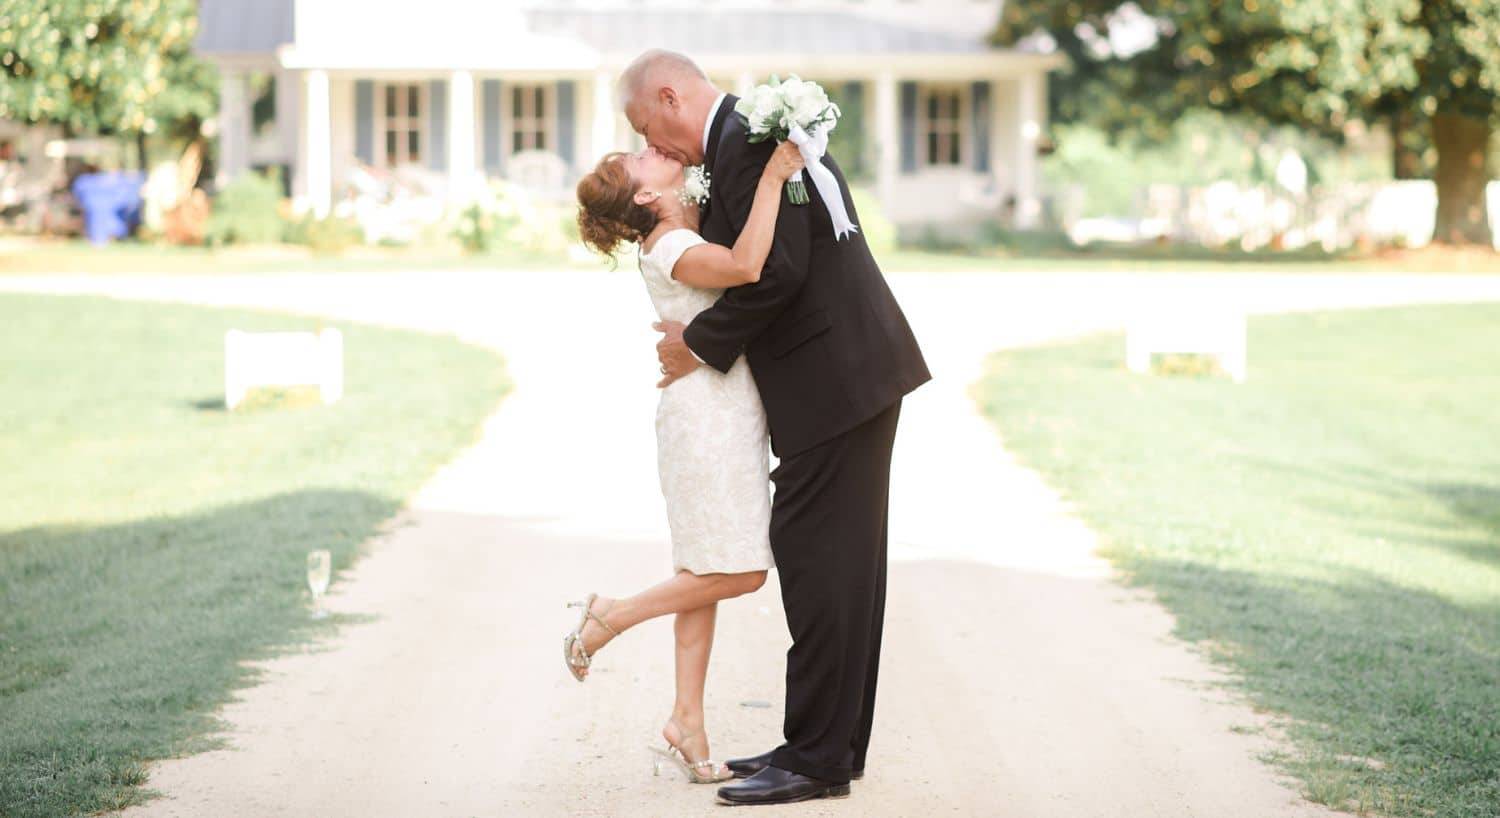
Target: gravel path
[{"x": 1018, "y": 680}]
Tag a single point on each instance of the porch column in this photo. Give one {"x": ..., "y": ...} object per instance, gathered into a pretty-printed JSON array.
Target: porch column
[
  {"x": 317, "y": 143},
  {"x": 1028, "y": 124},
  {"x": 744, "y": 83},
  {"x": 234, "y": 126},
  {"x": 288, "y": 108},
  {"x": 1002, "y": 140},
  {"x": 602, "y": 127},
  {"x": 461, "y": 166},
  {"x": 887, "y": 137}
]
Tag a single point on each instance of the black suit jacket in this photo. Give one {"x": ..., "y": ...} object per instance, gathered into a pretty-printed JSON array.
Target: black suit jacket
[{"x": 826, "y": 341}]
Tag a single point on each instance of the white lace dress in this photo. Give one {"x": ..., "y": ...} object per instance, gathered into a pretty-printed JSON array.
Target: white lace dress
[{"x": 711, "y": 440}]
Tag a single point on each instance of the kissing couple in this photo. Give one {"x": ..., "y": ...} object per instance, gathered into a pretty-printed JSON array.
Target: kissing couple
[{"x": 776, "y": 326}]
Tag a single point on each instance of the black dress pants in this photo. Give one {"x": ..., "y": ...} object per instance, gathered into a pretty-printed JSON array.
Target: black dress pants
[{"x": 828, "y": 534}]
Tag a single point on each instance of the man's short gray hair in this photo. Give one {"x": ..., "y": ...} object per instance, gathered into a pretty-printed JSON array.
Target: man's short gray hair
[{"x": 656, "y": 67}]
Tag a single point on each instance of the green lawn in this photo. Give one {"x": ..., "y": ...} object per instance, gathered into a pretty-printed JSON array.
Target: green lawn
[
  {"x": 76, "y": 256},
  {"x": 1329, "y": 530},
  {"x": 150, "y": 540}
]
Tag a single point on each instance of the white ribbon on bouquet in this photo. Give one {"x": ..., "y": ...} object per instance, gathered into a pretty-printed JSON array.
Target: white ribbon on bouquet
[{"x": 812, "y": 146}]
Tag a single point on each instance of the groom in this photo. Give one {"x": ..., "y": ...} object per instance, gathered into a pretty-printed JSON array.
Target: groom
[{"x": 832, "y": 356}]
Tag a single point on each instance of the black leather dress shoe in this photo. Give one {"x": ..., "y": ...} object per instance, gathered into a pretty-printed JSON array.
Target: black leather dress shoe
[
  {"x": 774, "y": 785},
  {"x": 746, "y": 767}
]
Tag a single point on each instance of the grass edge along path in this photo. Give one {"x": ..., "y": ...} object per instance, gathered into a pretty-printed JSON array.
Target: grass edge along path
[
  {"x": 1328, "y": 531},
  {"x": 151, "y": 542},
  {"x": 36, "y": 256}
]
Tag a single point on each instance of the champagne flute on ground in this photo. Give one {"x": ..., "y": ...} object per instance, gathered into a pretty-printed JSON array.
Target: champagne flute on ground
[{"x": 319, "y": 571}]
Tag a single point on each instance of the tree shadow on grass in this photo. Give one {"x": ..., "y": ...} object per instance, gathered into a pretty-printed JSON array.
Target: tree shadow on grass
[
  {"x": 1477, "y": 504},
  {"x": 1470, "y": 529},
  {"x": 1390, "y": 690},
  {"x": 119, "y": 642},
  {"x": 1353, "y": 477}
]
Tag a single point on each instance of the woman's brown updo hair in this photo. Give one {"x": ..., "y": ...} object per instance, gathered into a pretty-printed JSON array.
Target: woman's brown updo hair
[{"x": 607, "y": 213}]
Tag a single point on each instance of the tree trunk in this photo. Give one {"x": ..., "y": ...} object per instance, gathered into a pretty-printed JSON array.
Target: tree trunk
[
  {"x": 140, "y": 151},
  {"x": 1406, "y": 162},
  {"x": 1462, "y": 172}
]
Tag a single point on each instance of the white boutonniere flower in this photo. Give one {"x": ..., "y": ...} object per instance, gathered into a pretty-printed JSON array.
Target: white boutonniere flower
[{"x": 694, "y": 188}]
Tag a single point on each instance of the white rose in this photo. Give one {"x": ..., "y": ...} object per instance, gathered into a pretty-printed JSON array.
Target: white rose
[
  {"x": 746, "y": 106},
  {"x": 765, "y": 109},
  {"x": 806, "y": 101},
  {"x": 767, "y": 100},
  {"x": 792, "y": 89},
  {"x": 810, "y": 107}
]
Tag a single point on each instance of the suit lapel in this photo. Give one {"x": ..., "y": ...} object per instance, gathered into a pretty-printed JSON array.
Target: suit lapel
[{"x": 715, "y": 132}]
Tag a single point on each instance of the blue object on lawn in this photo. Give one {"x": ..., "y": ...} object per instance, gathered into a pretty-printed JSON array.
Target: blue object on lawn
[{"x": 111, "y": 203}]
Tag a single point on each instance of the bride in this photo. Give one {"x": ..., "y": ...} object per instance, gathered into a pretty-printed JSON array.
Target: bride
[{"x": 711, "y": 433}]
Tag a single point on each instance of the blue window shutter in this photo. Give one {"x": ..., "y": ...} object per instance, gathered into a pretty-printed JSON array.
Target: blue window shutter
[
  {"x": 565, "y": 120},
  {"x": 364, "y": 121},
  {"x": 852, "y": 106},
  {"x": 494, "y": 138},
  {"x": 437, "y": 124},
  {"x": 982, "y": 119},
  {"x": 908, "y": 127}
]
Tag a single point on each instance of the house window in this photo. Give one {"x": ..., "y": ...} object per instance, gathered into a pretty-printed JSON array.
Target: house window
[
  {"x": 263, "y": 108},
  {"x": 531, "y": 119},
  {"x": 942, "y": 127},
  {"x": 404, "y": 107}
]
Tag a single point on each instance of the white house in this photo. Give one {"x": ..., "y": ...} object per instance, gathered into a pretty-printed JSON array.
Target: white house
[{"x": 942, "y": 125}]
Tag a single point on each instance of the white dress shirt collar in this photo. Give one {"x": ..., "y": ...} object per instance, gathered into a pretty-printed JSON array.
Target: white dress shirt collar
[{"x": 713, "y": 113}]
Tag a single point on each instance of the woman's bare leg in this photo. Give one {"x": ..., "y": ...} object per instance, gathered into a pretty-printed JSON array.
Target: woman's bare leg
[
  {"x": 695, "y": 638},
  {"x": 685, "y": 591}
]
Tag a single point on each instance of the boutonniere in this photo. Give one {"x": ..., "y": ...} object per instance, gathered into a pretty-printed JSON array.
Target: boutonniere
[{"x": 694, "y": 188}]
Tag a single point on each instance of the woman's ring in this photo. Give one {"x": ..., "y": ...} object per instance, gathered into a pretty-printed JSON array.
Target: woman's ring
[{"x": 664, "y": 369}]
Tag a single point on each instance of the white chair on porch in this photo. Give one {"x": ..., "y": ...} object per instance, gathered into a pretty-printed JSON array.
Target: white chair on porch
[{"x": 544, "y": 175}]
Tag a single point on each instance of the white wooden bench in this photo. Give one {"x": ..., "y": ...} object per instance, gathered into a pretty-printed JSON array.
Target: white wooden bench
[
  {"x": 253, "y": 359},
  {"x": 1218, "y": 334}
]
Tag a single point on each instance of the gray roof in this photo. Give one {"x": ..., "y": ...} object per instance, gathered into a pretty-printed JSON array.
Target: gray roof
[
  {"x": 784, "y": 31},
  {"x": 228, "y": 27},
  {"x": 238, "y": 27}
]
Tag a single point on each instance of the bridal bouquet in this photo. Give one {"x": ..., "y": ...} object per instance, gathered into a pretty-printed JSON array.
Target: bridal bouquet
[{"x": 799, "y": 111}]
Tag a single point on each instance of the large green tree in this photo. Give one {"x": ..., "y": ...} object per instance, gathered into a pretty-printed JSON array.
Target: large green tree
[
  {"x": 1315, "y": 64},
  {"x": 112, "y": 67}
]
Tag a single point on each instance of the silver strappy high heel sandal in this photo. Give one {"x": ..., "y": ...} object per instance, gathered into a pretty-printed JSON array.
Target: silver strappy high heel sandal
[
  {"x": 694, "y": 770},
  {"x": 579, "y": 660}
]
